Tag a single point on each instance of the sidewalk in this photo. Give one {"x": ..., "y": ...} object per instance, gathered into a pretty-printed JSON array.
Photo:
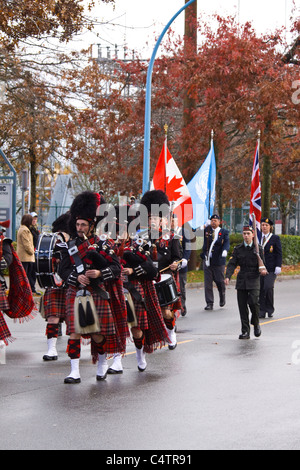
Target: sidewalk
[{"x": 280, "y": 278}]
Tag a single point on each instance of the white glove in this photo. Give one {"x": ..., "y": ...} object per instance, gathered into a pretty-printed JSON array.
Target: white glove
[
  {"x": 277, "y": 270},
  {"x": 183, "y": 263},
  {"x": 224, "y": 254}
]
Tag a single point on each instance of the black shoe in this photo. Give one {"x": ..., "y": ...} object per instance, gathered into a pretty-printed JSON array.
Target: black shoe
[
  {"x": 257, "y": 331},
  {"x": 71, "y": 380},
  {"x": 262, "y": 315},
  {"x": 49, "y": 358},
  {"x": 270, "y": 315},
  {"x": 113, "y": 371},
  {"x": 183, "y": 313},
  {"x": 222, "y": 299},
  {"x": 244, "y": 336},
  {"x": 209, "y": 307},
  {"x": 102, "y": 377}
]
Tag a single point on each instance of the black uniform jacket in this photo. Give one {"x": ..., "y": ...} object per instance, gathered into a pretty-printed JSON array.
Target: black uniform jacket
[
  {"x": 221, "y": 244},
  {"x": 273, "y": 253},
  {"x": 168, "y": 251},
  {"x": 248, "y": 277},
  {"x": 102, "y": 258}
]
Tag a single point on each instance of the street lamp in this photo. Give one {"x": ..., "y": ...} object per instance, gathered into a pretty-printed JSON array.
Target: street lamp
[{"x": 146, "y": 167}]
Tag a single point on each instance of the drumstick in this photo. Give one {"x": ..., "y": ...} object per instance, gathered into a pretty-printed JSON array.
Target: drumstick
[{"x": 164, "y": 269}]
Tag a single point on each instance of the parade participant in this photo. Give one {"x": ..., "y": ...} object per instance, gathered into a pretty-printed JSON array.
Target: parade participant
[
  {"x": 143, "y": 310},
  {"x": 88, "y": 267},
  {"x": 165, "y": 250},
  {"x": 186, "y": 253},
  {"x": 248, "y": 281},
  {"x": 271, "y": 245},
  {"x": 53, "y": 303},
  {"x": 214, "y": 252},
  {"x": 19, "y": 303}
]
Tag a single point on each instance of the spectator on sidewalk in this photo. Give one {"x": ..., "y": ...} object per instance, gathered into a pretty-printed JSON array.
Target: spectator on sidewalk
[{"x": 25, "y": 248}]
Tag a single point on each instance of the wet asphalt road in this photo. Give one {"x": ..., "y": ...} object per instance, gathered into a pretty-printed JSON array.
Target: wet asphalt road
[{"x": 213, "y": 391}]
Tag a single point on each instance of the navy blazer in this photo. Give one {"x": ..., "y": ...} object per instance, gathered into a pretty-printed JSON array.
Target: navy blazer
[
  {"x": 273, "y": 253},
  {"x": 221, "y": 244}
]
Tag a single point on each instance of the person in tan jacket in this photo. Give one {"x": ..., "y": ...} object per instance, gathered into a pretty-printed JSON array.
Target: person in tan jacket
[{"x": 25, "y": 248}]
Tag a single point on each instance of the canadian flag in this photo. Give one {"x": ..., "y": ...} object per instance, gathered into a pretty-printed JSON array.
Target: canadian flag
[{"x": 168, "y": 178}]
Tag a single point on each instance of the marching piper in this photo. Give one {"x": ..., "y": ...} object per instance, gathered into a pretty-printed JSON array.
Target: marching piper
[
  {"x": 90, "y": 267},
  {"x": 53, "y": 302},
  {"x": 143, "y": 310},
  {"x": 165, "y": 250}
]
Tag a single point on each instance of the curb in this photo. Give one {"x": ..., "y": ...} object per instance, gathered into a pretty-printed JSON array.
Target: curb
[{"x": 280, "y": 278}]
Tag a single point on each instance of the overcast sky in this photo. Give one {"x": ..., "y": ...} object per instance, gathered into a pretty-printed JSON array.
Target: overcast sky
[{"x": 138, "y": 22}]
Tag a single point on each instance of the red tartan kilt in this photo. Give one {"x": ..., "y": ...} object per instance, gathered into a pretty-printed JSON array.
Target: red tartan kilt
[
  {"x": 55, "y": 303},
  {"x": 140, "y": 311},
  {"x": 4, "y": 305},
  {"x": 106, "y": 320},
  {"x": 4, "y": 331}
]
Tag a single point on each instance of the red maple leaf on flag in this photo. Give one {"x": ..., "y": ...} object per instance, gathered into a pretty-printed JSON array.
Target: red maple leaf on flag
[{"x": 170, "y": 180}]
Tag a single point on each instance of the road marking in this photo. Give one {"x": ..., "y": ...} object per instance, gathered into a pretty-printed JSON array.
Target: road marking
[{"x": 279, "y": 319}]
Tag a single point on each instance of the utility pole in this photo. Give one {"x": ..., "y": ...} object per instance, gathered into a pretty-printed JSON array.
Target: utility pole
[
  {"x": 189, "y": 103},
  {"x": 190, "y": 52}
]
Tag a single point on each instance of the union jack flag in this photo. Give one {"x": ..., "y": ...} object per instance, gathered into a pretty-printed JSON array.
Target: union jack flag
[{"x": 255, "y": 199}]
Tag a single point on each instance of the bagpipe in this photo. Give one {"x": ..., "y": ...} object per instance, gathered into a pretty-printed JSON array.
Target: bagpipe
[
  {"x": 86, "y": 256},
  {"x": 139, "y": 252}
]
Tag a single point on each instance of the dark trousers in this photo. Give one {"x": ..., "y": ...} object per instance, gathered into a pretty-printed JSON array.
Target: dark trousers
[
  {"x": 182, "y": 281},
  {"x": 248, "y": 298},
  {"x": 30, "y": 272},
  {"x": 213, "y": 274},
  {"x": 266, "y": 298}
]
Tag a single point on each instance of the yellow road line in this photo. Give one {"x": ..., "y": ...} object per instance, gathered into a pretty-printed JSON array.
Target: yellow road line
[{"x": 279, "y": 319}]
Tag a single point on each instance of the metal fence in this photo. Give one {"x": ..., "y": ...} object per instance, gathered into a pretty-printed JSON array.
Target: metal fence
[{"x": 235, "y": 218}]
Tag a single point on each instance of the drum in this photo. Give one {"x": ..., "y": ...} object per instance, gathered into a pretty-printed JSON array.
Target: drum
[
  {"x": 45, "y": 263},
  {"x": 166, "y": 290}
]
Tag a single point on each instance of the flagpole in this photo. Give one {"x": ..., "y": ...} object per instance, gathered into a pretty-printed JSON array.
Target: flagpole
[
  {"x": 146, "y": 167},
  {"x": 209, "y": 194},
  {"x": 166, "y": 138}
]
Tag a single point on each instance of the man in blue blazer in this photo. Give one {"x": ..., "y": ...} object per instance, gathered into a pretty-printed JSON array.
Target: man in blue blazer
[
  {"x": 273, "y": 260},
  {"x": 214, "y": 252}
]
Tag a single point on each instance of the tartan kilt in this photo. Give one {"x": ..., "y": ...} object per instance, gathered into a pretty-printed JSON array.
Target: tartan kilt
[
  {"x": 106, "y": 320},
  {"x": 156, "y": 335},
  {"x": 4, "y": 305},
  {"x": 140, "y": 309},
  {"x": 55, "y": 303},
  {"x": 119, "y": 311},
  {"x": 4, "y": 331}
]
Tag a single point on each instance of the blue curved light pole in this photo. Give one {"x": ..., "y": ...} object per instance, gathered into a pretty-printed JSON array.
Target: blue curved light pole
[{"x": 146, "y": 167}]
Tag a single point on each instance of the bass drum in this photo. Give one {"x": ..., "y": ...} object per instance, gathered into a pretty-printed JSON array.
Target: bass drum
[
  {"x": 166, "y": 290},
  {"x": 45, "y": 262}
]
